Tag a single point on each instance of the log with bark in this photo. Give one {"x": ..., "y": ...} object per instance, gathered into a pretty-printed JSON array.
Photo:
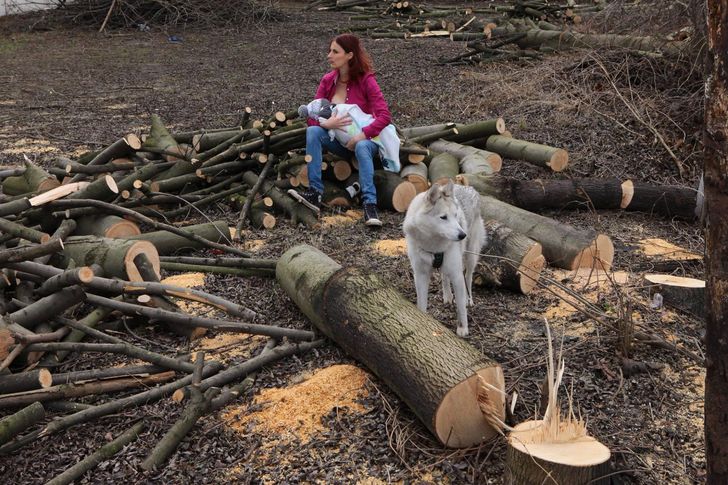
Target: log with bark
[
  {"x": 541, "y": 155},
  {"x": 432, "y": 370},
  {"x": 14, "y": 424},
  {"x": 686, "y": 294},
  {"x": 393, "y": 192}
]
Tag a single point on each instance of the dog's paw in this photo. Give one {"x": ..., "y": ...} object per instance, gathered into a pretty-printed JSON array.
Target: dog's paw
[
  {"x": 470, "y": 301},
  {"x": 462, "y": 332}
]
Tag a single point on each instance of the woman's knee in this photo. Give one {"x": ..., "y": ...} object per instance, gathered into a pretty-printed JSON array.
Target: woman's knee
[{"x": 314, "y": 133}]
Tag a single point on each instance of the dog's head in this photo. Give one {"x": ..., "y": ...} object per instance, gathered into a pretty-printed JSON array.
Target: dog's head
[{"x": 442, "y": 212}]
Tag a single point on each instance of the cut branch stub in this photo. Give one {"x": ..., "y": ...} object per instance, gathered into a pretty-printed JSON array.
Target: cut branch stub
[{"x": 427, "y": 365}]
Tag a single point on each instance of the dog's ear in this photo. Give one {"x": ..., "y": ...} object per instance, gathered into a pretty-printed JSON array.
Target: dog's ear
[
  {"x": 434, "y": 193},
  {"x": 447, "y": 189}
]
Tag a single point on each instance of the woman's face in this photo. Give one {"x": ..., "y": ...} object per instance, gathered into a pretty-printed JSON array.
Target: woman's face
[{"x": 337, "y": 57}]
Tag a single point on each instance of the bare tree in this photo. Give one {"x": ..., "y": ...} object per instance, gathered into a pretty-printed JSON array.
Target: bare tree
[{"x": 716, "y": 197}]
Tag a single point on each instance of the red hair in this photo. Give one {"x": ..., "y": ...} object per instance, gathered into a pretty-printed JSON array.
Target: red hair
[{"x": 361, "y": 63}]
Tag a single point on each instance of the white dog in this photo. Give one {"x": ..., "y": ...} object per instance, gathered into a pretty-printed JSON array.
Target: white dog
[{"x": 440, "y": 226}]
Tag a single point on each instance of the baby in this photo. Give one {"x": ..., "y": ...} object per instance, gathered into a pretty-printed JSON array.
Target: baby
[{"x": 387, "y": 140}]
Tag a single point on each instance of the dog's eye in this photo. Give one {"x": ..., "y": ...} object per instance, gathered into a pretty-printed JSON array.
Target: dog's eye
[{"x": 444, "y": 218}]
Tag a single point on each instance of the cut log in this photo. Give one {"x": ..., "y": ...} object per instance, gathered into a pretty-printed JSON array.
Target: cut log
[
  {"x": 417, "y": 175},
  {"x": 667, "y": 200},
  {"x": 297, "y": 211},
  {"x": 443, "y": 167},
  {"x": 687, "y": 294},
  {"x": 537, "y": 195},
  {"x": 432, "y": 370},
  {"x": 33, "y": 179},
  {"x": 115, "y": 256},
  {"x": 541, "y": 155},
  {"x": 25, "y": 381},
  {"x": 23, "y": 232},
  {"x": 106, "y": 226},
  {"x": 563, "y": 245},
  {"x": 471, "y": 159},
  {"x": 167, "y": 243},
  {"x": 103, "y": 188},
  {"x": 159, "y": 138},
  {"x": 515, "y": 261},
  {"x": 393, "y": 192},
  {"x": 76, "y": 276},
  {"x": 20, "y": 421}
]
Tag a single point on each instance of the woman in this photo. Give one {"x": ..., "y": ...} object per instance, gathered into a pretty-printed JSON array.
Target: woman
[{"x": 350, "y": 81}]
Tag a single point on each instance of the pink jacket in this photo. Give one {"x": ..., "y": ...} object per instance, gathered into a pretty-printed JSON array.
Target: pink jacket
[{"x": 363, "y": 92}]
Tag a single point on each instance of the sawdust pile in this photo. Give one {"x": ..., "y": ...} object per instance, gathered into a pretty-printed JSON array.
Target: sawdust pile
[
  {"x": 348, "y": 218},
  {"x": 229, "y": 346},
  {"x": 297, "y": 410},
  {"x": 661, "y": 249},
  {"x": 390, "y": 247}
]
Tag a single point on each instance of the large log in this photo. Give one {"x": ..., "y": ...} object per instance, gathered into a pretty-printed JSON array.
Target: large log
[
  {"x": 563, "y": 245},
  {"x": 471, "y": 159},
  {"x": 542, "y": 155},
  {"x": 393, "y": 192},
  {"x": 33, "y": 179},
  {"x": 432, "y": 370},
  {"x": 106, "y": 226},
  {"x": 667, "y": 200},
  {"x": 115, "y": 256}
]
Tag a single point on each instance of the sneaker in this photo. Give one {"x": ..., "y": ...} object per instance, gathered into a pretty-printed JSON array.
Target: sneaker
[
  {"x": 353, "y": 190},
  {"x": 309, "y": 197},
  {"x": 371, "y": 218}
]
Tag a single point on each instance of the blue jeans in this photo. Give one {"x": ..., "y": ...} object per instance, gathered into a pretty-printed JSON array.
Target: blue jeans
[{"x": 318, "y": 140}]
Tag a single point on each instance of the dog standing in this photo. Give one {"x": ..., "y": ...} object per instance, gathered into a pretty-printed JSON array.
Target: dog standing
[{"x": 440, "y": 226}]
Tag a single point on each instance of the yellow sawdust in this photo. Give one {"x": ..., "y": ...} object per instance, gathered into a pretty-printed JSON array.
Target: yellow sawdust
[
  {"x": 187, "y": 280},
  {"x": 229, "y": 345},
  {"x": 296, "y": 411},
  {"x": 28, "y": 145},
  {"x": 585, "y": 282},
  {"x": 254, "y": 245},
  {"x": 390, "y": 247},
  {"x": 348, "y": 218},
  {"x": 661, "y": 249},
  {"x": 7, "y": 102}
]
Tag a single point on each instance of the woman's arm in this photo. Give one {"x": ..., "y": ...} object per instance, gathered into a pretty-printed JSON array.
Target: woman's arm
[{"x": 379, "y": 108}]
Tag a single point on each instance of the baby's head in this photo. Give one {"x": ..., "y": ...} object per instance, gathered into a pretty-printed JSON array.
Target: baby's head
[{"x": 318, "y": 108}]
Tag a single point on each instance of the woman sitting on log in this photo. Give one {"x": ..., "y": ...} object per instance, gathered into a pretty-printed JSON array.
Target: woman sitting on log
[{"x": 350, "y": 81}]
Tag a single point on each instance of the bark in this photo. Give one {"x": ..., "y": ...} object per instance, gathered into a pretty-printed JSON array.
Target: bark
[
  {"x": 297, "y": 212},
  {"x": 48, "y": 307},
  {"x": 104, "y": 453},
  {"x": 195, "y": 268},
  {"x": 76, "y": 335},
  {"x": 103, "y": 189},
  {"x": 470, "y": 159},
  {"x": 667, "y": 200},
  {"x": 14, "y": 207},
  {"x": 16, "y": 423},
  {"x": 443, "y": 167},
  {"x": 393, "y": 192},
  {"x": 225, "y": 262},
  {"x": 24, "y": 253},
  {"x": 25, "y": 381},
  {"x": 33, "y": 179},
  {"x": 563, "y": 245},
  {"x": 65, "y": 391},
  {"x": 432, "y": 370},
  {"x": 23, "y": 232},
  {"x": 170, "y": 243},
  {"x": 509, "y": 260}
]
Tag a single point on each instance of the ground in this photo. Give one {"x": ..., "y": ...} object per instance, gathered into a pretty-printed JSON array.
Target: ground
[{"x": 63, "y": 92}]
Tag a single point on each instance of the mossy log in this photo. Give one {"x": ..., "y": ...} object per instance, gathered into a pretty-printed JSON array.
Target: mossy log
[
  {"x": 443, "y": 167},
  {"x": 159, "y": 138},
  {"x": 33, "y": 179},
  {"x": 20, "y": 421},
  {"x": 106, "y": 226},
  {"x": 471, "y": 159},
  {"x": 563, "y": 245},
  {"x": 541, "y": 155},
  {"x": 115, "y": 256},
  {"x": 510, "y": 260},
  {"x": 23, "y": 232},
  {"x": 103, "y": 188},
  {"x": 168, "y": 243},
  {"x": 427, "y": 365},
  {"x": 393, "y": 192},
  {"x": 667, "y": 200},
  {"x": 298, "y": 212}
]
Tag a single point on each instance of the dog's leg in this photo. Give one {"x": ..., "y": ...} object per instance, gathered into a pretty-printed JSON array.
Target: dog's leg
[
  {"x": 454, "y": 271},
  {"x": 421, "y": 271},
  {"x": 475, "y": 244},
  {"x": 446, "y": 288}
]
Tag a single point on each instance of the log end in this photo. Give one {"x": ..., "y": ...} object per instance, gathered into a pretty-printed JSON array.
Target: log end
[
  {"x": 342, "y": 170},
  {"x": 45, "y": 378},
  {"x": 133, "y": 141},
  {"x": 48, "y": 184},
  {"x": 599, "y": 254},
  {"x": 500, "y": 125},
  {"x": 559, "y": 160},
  {"x": 627, "y": 194},
  {"x": 495, "y": 161},
  {"x": 269, "y": 221},
  {"x": 403, "y": 195},
  {"x": 85, "y": 274},
  {"x": 458, "y": 421},
  {"x": 530, "y": 269},
  {"x": 141, "y": 247},
  {"x": 415, "y": 158},
  {"x": 121, "y": 229},
  {"x": 421, "y": 184}
]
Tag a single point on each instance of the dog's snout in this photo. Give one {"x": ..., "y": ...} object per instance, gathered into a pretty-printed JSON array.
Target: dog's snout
[{"x": 462, "y": 235}]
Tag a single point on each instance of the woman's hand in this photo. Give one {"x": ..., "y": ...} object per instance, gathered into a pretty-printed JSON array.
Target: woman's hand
[
  {"x": 336, "y": 122},
  {"x": 351, "y": 144}
]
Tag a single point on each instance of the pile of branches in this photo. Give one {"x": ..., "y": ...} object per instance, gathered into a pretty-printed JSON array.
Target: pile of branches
[{"x": 145, "y": 14}]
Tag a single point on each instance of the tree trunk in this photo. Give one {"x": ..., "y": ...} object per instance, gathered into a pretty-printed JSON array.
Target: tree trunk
[
  {"x": 716, "y": 198},
  {"x": 515, "y": 261},
  {"x": 34, "y": 179},
  {"x": 668, "y": 200},
  {"x": 20, "y": 421},
  {"x": 536, "y": 38},
  {"x": 431, "y": 369},
  {"x": 417, "y": 175},
  {"x": 443, "y": 167},
  {"x": 563, "y": 245}
]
